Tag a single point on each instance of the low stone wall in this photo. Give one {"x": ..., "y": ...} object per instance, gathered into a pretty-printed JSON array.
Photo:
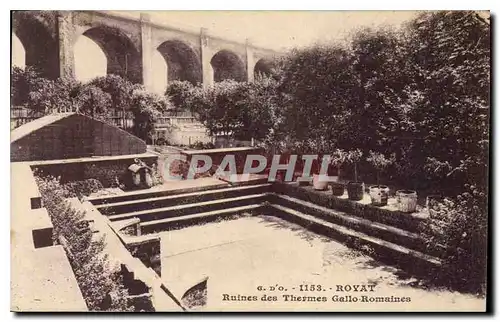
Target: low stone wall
[{"x": 107, "y": 169}]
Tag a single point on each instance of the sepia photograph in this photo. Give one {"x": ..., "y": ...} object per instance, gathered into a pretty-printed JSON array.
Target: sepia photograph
[{"x": 250, "y": 161}]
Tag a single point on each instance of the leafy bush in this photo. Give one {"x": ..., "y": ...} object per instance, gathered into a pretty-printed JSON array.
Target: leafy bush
[
  {"x": 380, "y": 162},
  {"x": 460, "y": 225},
  {"x": 23, "y": 81},
  {"x": 202, "y": 146},
  {"x": 100, "y": 98},
  {"x": 120, "y": 90},
  {"x": 101, "y": 285},
  {"x": 83, "y": 188},
  {"x": 338, "y": 158},
  {"x": 147, "y": 108},
  {"x": 237, "y": 110},
  {"x": 92, "y": 101},
  {"x": 180, "y": 92},
  {"x": 354, "y": 157}
]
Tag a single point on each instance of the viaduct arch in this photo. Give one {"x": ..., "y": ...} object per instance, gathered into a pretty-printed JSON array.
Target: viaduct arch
[
  {"x": 263, "y": 67},
  {"x": 183, "y": 63},
  {"x": 122, "y": 56},
  {"x": 48, "y": 38},
  {"x": 39, "y": 43},
  {"x": 227, "y": 65}
]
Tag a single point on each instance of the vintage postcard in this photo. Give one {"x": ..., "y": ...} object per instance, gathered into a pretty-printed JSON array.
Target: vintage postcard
[{"x": 250, "y": 161}]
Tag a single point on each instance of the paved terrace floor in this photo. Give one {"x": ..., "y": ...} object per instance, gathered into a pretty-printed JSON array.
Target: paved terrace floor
[{"x": 239, "y": 255}]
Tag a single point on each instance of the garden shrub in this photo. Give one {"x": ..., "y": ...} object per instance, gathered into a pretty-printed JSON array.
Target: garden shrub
[
  {"x": 202, "y": 146},
  {"x": 83, "y": 188},
  {"x": 179, "y": 92},
  {"x": 460, "y": 225},
  {"x": 101, "y": 285}
]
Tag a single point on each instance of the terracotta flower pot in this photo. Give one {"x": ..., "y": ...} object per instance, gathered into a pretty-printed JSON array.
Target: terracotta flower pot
[
  {"x": 320, "y": 182},
  {"x": 379, "y": 195},
  {"x": 337, "y": 188},
  {"x": 355, "y": 190},
  {"x": 407, "y": 200}
]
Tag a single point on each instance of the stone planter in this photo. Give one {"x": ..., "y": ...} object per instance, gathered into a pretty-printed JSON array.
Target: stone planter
[
  {"x": 379, "y": 195},
  {"x": 407, "y": 200},
  {"x": 432, "y": 204},
  {"x": 337, "y": 188},
  {"x": 320, "y": 182},
  {"x": 355, "y": 190}
]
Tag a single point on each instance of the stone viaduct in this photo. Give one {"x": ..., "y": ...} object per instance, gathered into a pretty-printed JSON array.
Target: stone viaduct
[{"x": 49, "y": 37}]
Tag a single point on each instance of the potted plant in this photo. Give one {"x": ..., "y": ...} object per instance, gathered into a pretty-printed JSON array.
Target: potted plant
[
  {"x": 320, "y": 181},
  {"x": 355, "y": 189},
  {"x": 379, "y": 194},
  {"x": 338, "y": 158},
  {"x": 406, "y": 200}
]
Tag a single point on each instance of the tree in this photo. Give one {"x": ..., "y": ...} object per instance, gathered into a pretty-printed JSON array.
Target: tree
[
  {"x": 120, "y": 90},
  {"x": 379, "y": 80},
  {"x": 179, "y": 93},
  {"x": 338, "y": 158},
  {"x": 218, "y": 107},
  {"x": 449, "y": 67},
  {"x": 449, "y": 63},
  {"x": 146, "y": 108},
  {"x": 317, "y": 86},
  {"x": 259, "y": 109},
  {"x": 380, "y": 162},
  {"x": 93, "y": 101},
  {"x": 354, "y": 157},
  {"x": 22, "y": 81},
  {"x": 239, "y": 110},
  {"x": 47, "y": 96}
]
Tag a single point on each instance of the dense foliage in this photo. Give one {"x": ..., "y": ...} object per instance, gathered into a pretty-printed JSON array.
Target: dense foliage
[
  {"x": 146, "y": 108},
  {"x": 101, "y": 98},
  {"x": 421, "y": 94},
  {"x": 179, "y": 93},
  {"x": 239, "y": 110}
]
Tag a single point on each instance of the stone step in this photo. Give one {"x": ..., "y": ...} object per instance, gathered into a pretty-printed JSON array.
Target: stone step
[
  {"x": 158, "y": 225},
  {"x": 189, "y": 209},
  {"x": 179, "y": 187},
  {"x": 409, "y": 259},
  {"x": 386, "y": 232},
  {"x": 183, "y": 198},
  {"x": 388, "y": 215}
]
